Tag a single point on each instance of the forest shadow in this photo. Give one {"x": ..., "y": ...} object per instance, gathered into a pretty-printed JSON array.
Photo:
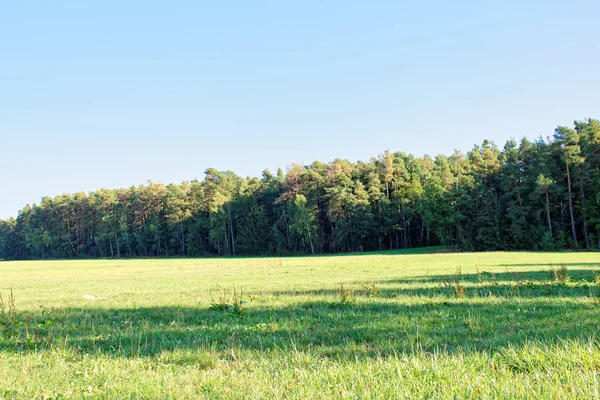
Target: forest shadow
[
  {"x": 545, "y": 264},
  {"x": 340, "y": 330},
  {"x": 393, "y": 252},
  {"x": 523, "y": 284},
  {"x": 540, "y": 276}
]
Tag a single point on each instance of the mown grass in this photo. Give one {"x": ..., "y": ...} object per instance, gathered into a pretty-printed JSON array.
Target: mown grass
[{"x": 405, "y": 325}]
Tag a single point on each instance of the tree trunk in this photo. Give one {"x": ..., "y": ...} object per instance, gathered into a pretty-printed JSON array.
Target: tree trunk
[
  {"x": 582, "y": 197},
  {"x": 548, "y": 212},
  {"x": 519, "y": 197},
  {"x": 182, "y": 239},
  {"x": 585, "y": 234},
  {"x": 231, "y": 228},
  {"x": 287, "y": 232},
  {"x": 457, "y": 236},
  {"x": 312, "y": 249},
  {"x": 73, "y": 248},
  {"x": 571, "y": 206}
]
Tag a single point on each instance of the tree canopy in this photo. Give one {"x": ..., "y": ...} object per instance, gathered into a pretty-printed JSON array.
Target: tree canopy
[{"x": 538, "y": 195}]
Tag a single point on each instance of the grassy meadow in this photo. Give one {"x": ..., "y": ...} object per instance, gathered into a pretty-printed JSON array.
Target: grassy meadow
[{"x": 388, "y": 325}]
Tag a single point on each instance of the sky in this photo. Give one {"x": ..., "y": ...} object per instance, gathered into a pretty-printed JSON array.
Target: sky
[{"x": 114, "y": 93}]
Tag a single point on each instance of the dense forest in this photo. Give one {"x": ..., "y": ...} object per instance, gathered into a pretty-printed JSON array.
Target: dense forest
[{"x": 540, "y": 195}]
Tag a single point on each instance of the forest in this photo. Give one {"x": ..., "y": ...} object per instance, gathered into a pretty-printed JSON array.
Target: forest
[{"x": 529, "y": 195}]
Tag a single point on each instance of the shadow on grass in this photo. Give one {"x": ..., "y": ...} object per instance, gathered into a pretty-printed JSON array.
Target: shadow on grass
[
  {"x": 362, "y": 328},
  {"x": 394, "y": 252},
  {"x": 529, "y": 284},
  {"x": 546, "y": 264},
  {"x": 486, "y": 276}
]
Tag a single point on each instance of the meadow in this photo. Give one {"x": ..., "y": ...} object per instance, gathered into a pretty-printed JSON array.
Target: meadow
[{"x": 413, "y": 324}]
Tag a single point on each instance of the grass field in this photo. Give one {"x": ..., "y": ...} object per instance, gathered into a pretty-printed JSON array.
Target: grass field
[{"x": 389, "y": 325}]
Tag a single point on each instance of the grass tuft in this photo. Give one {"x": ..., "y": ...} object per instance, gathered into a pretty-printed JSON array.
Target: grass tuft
[
  {"x": 232, "y": 304},
  {"x": 560, "y": 274}
]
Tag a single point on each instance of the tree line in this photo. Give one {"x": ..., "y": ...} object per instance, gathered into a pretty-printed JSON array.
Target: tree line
[{"x": 530, "y": 195}]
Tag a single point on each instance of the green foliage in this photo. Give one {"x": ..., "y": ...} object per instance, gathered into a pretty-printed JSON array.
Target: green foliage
[
  {"x": 229, "y": 303},
  {"x": 560, "y": 274},
  {"x": 455, "y": 283},
  {"x": 526, "y": 196},
  {"x": 303, "y": 222},
  {"x": 547, "y": 243},
  {"x": 9, "y": 319},
  {"x": 346, "y": 296},
  {"x": 596, "y": 277}
]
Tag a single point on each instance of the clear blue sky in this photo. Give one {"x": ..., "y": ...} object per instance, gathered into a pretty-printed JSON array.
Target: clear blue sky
[{"x": 113, "y": 93}]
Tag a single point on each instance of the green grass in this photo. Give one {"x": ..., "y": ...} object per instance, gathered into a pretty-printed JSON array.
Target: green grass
[{"x": 386, "y": 325}]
